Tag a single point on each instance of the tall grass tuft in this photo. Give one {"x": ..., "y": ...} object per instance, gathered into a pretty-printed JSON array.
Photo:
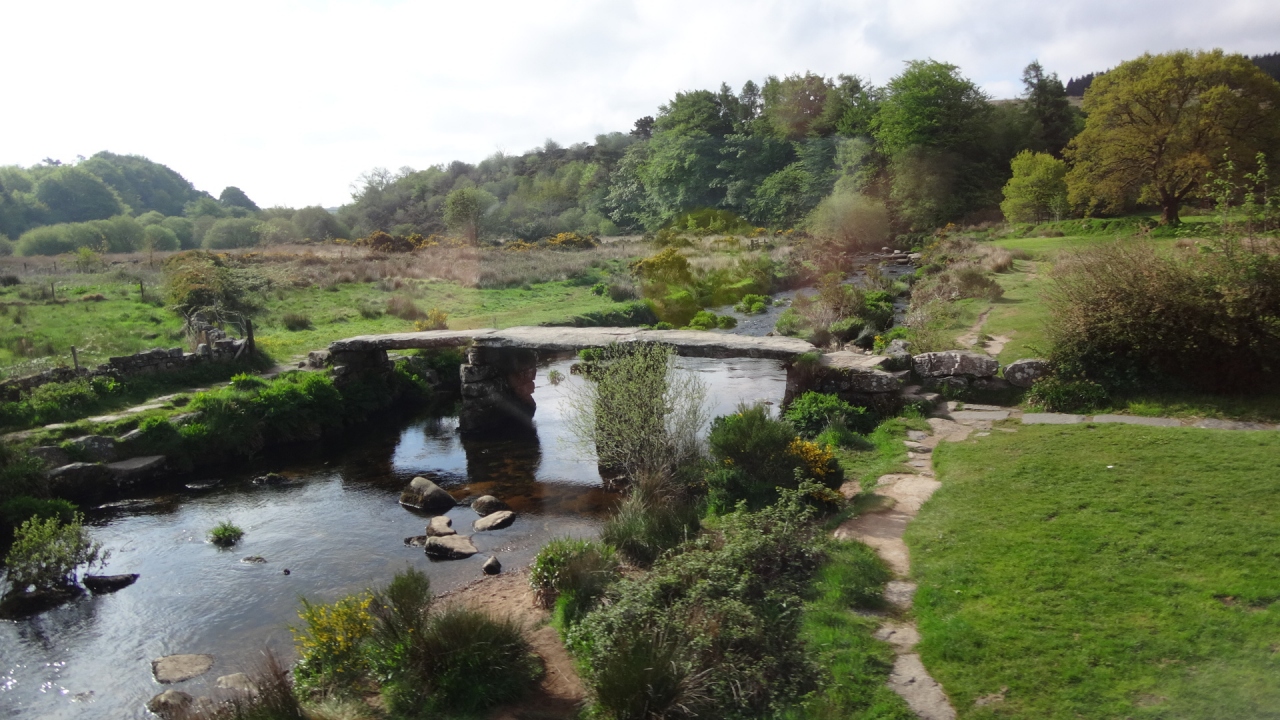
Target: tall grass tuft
[{"x": 655, "y": 517}]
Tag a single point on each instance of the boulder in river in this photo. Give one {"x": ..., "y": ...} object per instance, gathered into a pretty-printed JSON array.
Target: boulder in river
[
  {"x": 440, "y": 526},
  {"x": 422, "y": 494},
  {"x": 176, "y": 668},
  {"x": 450, "y": 547},
  {"x": 238, "y": 682},
  {"x": 486, "y": 504},
  {"x": 100, "y": 584},
  {"x": 170, "y": 704},
  {"x": 491, "y": 566},
  {"x": 497, "y": 520}
]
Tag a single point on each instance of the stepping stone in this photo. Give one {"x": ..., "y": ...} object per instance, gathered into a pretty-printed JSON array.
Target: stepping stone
[
  {"x": 451, "y": 547},
  {"x": 238, "y": 682},
  {"x": 962, "y": 407},
  {"x": 494, "y": 521},
  {"x": 917, "y": 435},
  {"x": 176, "y": 668},
  {"x": 1135, "y": 420},
  {"x": 976, "y": 415},
  {"x": 900, "y": 593},
  {"x": 1051, "y": 419},
  {"x": 882, "y": 532},
  {"x": 917, "y": 447},
  {"x": 1212, "y": 424},
  {"x": 170, "y": 704},
  {"x": 923, "y": 694},
  {"x": 440, "y": 526},
  {"x": 137, "y": 467},
  {"x": 902, "y": 636},
  {"x": 422, "y": 494},
  {"x": 909, "y": 492}
]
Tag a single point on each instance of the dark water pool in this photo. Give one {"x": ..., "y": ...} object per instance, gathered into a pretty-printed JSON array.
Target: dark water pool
[{"x": 337, "y": 527}]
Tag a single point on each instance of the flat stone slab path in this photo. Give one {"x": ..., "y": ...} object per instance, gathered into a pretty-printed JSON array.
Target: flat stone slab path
[{"x": 970, "y": 413}]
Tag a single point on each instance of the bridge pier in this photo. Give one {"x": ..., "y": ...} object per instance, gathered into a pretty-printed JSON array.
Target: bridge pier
[{"x": 497, "y": 388}]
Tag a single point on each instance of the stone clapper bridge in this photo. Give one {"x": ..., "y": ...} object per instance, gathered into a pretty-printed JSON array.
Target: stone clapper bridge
[{"x": 500, "y": 367}]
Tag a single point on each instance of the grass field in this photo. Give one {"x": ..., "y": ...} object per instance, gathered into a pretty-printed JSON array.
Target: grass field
[{"x": 1104, "y": 572}]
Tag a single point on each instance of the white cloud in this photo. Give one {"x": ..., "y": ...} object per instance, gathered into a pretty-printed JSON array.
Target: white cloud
[{"x": 291, "y": 101}]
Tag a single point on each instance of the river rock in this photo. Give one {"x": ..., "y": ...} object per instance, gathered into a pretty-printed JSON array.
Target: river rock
[
  {"x": 491, "y": 566},
  {"x": 486, "y": 504},
  {"x": 98, "y": 448},
  {"x": 440, "y": 526},
  {"x": 136, "y": 468},
  {"x": 450, "y": 547},
  {"x": 416, "y": 540},
  {"x": 170, "y": 704},
  {"x": 1022, "y": 373},
  {"x": 50, "y": 455},
  {"x": 239, "y": 682},
  {"x": 176, "y": 668},
  {"x": 271, "y": 479},
  {"x": 79, "y": 482},
  {"x": 952, "y": 363},
  {"x": 101, "y": 584},
  {"x": 422, "y": 494},
  {"x": 495, "y": 521},
  {"x": 254, "y": 560}
]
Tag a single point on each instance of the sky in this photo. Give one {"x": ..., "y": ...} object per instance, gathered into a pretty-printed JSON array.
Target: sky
[{"x": 292, "y": 101}]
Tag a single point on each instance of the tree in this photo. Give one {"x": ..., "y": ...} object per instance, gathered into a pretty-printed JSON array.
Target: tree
[
  {"x": 232, "y": 233},
  {"x": 931, "y": 105},
  {"x": 1038, "y": 189},
  {"x": 74, "y": 195},
  {"x": 1157, "y": 125},
  {"x": 694, "y": 113},
  {"x": 1053, "y": 122},
  {"x": 794, "y": 105},
  {"x": 233, "y": 196},
  {"x": 143, "y": 185},
  {"x": 851, "y": 221},
  {"x": 464, "y": 211},
  {"x": 159, "y": 237},
  {"x": 317, "y": 224},
  {"x": 46, "y": 555}
]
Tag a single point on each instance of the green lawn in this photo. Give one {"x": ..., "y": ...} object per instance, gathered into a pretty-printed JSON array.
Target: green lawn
[{"x": 1104, "y": 572}]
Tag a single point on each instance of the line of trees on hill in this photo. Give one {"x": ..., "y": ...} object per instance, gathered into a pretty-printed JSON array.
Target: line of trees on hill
[
  {"x": 927, "y": 148},
  {"x": 127, "y": 203}
]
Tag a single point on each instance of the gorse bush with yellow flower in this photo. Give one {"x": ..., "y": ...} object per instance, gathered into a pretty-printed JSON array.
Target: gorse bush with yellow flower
[
  {"x": 331, "y": 642},
  {"x": 756, "y": 455}
]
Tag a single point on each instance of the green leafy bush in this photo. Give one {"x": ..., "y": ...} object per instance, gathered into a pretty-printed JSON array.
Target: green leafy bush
[
  {"x": 812, "y": 412},
  {"x": 707, "y": 320},
  {"x": 578, "y": 570},
  {"x": 331, "y": 642},
  {"x": 756, "y": 456},
  {"x": 47, "y": 553},
  {"x": 246, "y": 381},
  {"x": 753, "y": 304},
  {"x": 791, "y": 323},
  {"x": 1056, "y": 394},
  {"x": 225, "y": 534},
  {"x": 712, "y": 630}
]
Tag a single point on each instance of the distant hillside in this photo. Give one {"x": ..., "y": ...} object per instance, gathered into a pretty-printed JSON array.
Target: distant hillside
[{"x": 1269, "y": 63}]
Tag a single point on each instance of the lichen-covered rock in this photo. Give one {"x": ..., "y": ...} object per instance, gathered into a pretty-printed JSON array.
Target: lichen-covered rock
[
  {"x": 495, "y": 521},
  {"x": 487, "y": 504},
  {"x": 422, "y": 494},
  {"x": 953, "y": 363},
  {"x": 1022, "y": 373},
  {"x": 450, "y": 547}
]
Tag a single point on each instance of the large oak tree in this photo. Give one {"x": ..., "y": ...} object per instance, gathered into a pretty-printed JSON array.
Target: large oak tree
[{"x": 1157, "y": 125}]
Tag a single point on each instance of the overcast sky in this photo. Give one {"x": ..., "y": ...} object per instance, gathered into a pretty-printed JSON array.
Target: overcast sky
[{"x": 291, "y": 101}]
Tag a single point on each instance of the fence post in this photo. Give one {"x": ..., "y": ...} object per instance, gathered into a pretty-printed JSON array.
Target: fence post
[{"x": 75, "y": 358}]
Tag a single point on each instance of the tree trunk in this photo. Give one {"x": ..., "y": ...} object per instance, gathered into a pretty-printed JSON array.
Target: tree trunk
[{"x": 1169, "y": 211}]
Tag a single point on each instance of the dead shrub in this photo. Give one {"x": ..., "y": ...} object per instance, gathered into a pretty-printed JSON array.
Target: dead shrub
[
  {"x": 93, "y": 297},
  {"x": 1128, "y": 314},
  {"x": 404, "y": 308}
]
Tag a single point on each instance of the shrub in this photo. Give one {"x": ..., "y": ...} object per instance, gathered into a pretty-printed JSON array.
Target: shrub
[
  {"x": 404, "y": 308},
  {"x": 757, "y": 455},
  {"x": 790, "y": 323},
  {"x": 599, "y": 289},
  {"x": 620, "y": 291},
  {"x": 47, "y": 553},
  {"x": 435, "y": 320},
  {"x": 1128, "y": 314},
  {"x": 812, "y": 412},
  {"x": 753, "y": 304},
  {"x": 1058, "y": 395},
  {"x": 637, "y": 412},
  {"x": 706, "y": 320},
  {"x": 837, "y": 434},
  {"x": 296, "y": 321},
  {"x": 580, "y": 568},
  {"x": 369, "y": 312},
  {"x": 225, "y": 534},
  {"x": 656, "y": 516},
  {"x": 246, "y": 381},
  {"x": 331, "y": 642},
  {"x": 272, "y": 698},
  {"x": 711, "y": 630},
  {"x": 9, "y": 280},
  {"x": 15, "y": 511}
]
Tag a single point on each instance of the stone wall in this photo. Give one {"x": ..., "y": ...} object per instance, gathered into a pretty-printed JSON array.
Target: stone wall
[{"x": 147, "y": 362}]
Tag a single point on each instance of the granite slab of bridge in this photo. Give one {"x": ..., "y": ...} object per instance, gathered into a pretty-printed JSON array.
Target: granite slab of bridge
[{"x": 500, "y": 367}]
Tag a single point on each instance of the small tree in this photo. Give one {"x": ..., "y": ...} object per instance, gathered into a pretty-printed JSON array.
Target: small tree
[
  {"x": 46, "y": 555},
  {"x": 1038, "y": 189},
  {"x": 464, "y": 210},
  {"x": 637, "y": 412},
  {"x": 853, "y": 221}
]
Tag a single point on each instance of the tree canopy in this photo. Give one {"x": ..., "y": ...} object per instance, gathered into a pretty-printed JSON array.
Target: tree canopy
[{"x": 1158, "y": 124}]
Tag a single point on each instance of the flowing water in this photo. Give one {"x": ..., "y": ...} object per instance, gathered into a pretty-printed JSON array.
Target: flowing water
[{"x": 337, "y": 527}]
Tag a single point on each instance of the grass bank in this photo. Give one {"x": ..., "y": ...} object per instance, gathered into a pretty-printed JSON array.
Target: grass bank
[{"x": 1109, "y": 571}]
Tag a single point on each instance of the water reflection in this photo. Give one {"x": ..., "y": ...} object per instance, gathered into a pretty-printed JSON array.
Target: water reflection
[{"x": 337, "y": 527}]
